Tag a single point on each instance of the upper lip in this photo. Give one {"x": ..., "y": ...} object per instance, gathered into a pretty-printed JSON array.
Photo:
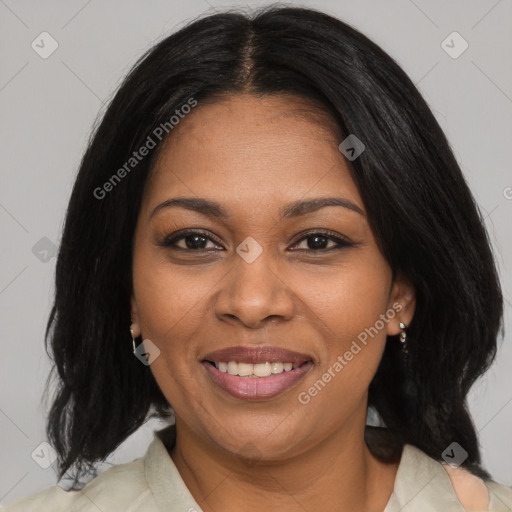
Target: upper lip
[{"x": 257, "y": 354}]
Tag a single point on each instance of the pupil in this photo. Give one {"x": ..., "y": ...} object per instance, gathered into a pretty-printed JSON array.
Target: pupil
[
  {"x": 195, "y": 244},
  {"x": 316, "y": 244}
]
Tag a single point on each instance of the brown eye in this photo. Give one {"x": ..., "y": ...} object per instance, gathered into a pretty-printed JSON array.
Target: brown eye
[
  {"x": 189, "y": 241},
  {"x": 319, "y": 241}
]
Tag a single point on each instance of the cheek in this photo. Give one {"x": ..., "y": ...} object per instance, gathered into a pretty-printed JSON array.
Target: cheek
[
  {"x": 172, "y": 308},
  {"x": 350, "y": 299},
  {"x": 171, "y": 304},
  {"x": 171, "y": 299},
  {"x": 349, "y": 307}
]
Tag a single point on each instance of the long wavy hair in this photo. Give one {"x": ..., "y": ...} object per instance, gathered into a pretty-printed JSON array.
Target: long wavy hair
[{"x": 419, "y": 206}]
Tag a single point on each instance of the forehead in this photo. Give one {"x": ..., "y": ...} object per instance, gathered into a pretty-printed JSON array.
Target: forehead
[{"x": 255, "y": 149}]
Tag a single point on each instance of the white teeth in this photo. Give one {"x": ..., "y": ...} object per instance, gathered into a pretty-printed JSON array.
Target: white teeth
[
  {"x": 245, "y": 369},
  {"x": 262, "y": 370},
  {"x": 277, "y": 367},
  {"x": 255, "y": 370}
]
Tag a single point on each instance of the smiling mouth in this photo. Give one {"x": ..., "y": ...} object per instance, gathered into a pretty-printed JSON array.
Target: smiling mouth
[
  {"x": 255, "y": 370},
  {"x": 256, "y": 381}
]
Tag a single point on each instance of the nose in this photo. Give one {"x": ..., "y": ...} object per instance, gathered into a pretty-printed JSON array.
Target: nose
[{"x": 254, "y": 294}]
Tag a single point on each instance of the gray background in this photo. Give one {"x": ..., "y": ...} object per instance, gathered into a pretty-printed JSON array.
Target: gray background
[{"x": 48, "y": 107}]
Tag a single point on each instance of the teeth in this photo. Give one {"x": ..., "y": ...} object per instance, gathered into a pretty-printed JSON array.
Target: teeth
[
  {"x": 255, "y": 370},
  {"x": 244, "y": 369},
  {"x": 262, "y": 369},
  {"x": 277, "y": 367},
  {"x": 232, "y": 368}
]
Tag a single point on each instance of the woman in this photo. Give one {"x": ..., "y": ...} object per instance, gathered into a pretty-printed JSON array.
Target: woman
[{"x": 271, "y": 210}]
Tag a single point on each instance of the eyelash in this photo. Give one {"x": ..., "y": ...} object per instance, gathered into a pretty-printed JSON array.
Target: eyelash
[{"x": 171, "y": 240}]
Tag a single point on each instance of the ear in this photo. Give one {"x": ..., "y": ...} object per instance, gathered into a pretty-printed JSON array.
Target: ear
[
  {"x": 134, "y": 315},
  {"x": 403, "y": 301}
]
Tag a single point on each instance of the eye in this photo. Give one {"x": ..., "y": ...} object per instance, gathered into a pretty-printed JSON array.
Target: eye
[
  {"x": 188, "y": 240},
  {"x": 318, "y": 241}
]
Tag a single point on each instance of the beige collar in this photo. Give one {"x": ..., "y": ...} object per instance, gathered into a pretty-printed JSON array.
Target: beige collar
[{"x": 421, "y": 482}]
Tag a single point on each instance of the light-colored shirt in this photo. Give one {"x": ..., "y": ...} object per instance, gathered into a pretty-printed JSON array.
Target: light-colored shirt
[{"x": 153, "y": 484}]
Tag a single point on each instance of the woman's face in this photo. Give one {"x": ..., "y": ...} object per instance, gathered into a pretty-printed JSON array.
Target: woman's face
[{"x": 267, "y": 276}]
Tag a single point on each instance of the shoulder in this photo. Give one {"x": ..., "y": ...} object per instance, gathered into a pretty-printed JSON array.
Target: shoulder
[
  {"x": 500, "y": 496},
  {"x": 477, "y": 494},
  {"x": 116, "y": 489},
  {"x": 422, "y": 481},
  {"x": 149, "y": 484}
]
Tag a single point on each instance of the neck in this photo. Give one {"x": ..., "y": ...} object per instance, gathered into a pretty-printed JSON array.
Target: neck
[{"x": 340, "y": 470}]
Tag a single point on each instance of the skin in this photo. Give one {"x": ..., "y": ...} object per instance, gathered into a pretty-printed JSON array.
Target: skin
[{"x": 254, "y": 155}]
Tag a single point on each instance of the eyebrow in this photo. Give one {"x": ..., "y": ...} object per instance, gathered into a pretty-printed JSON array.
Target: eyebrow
[{"x": 291, "y": 210}]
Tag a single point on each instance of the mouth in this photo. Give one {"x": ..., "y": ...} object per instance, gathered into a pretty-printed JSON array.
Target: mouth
[{"x": 256, "y": 373}]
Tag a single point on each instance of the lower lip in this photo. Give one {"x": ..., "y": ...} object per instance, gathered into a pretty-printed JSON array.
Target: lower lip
[{"x": 260, "y": 388}]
